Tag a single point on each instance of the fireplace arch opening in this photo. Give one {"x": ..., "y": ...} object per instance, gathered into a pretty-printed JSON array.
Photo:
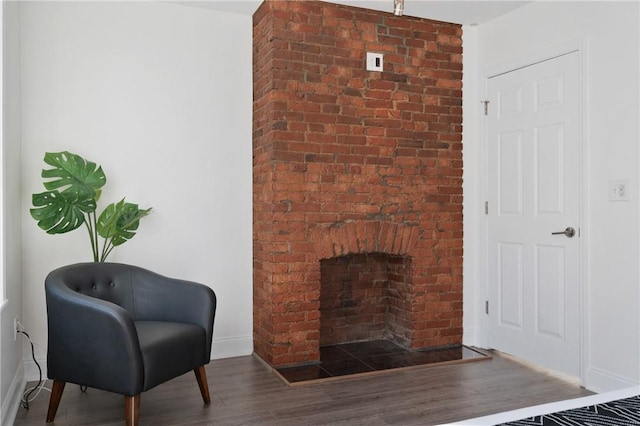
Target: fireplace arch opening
[{"x": 365, "y": 297}]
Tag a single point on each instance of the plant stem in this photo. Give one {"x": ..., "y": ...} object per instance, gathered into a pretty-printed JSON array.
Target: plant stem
[
  {"x": 106, "y": 249},
  {"x": 94, "y": 243},
  {"x": 106, "y": 252},
  {"x": 95, "y": 234}
]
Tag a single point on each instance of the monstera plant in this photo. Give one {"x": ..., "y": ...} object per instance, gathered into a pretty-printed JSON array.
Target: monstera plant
[{"x": 73, "y": 187}]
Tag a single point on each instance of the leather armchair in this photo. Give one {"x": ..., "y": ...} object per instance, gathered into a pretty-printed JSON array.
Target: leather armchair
[{"x": 124, "y": 329}]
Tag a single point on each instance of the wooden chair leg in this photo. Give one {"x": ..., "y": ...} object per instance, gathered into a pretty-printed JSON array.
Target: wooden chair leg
[
  {"x": 54, "y": 400},
  {"x": 132, "y": 410},
  {"x": 201, "y": 377}
]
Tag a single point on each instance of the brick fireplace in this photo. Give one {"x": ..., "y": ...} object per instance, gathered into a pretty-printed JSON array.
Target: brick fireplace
[{"x": 357, "y": 180}]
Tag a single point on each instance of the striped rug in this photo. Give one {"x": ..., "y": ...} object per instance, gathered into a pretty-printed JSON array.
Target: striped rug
[{"x": 621, "y": 412}]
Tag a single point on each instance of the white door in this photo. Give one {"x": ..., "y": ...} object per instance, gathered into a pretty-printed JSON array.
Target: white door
[{"x": 534, "y": 193}]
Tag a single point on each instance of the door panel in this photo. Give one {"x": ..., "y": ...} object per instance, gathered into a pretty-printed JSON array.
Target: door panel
[
  {"x": 550, "y": 291},
  {"x": 549, "y": 169},
  {"x": 510, "y": 170},
  {"x": 533, "y": 182},
  {"x": 511, "y": 284}
]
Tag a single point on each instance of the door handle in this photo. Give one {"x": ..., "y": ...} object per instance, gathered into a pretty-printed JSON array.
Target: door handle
[{"x": 569, "y": 232}]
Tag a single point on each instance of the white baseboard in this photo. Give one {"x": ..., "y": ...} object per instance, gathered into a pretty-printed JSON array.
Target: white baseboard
[
  {"x": 11, "y": 403},
  {"x": 231, "y": 347},
  {"x": 600, "y": 381},
  {"x": 472, "y": 336},
  {"x": 222, "y": 348}
]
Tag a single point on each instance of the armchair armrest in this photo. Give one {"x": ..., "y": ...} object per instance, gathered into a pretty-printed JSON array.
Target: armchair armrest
[
  {"x": 160, "y": 298},
  {"x": 91, "y": 342}
]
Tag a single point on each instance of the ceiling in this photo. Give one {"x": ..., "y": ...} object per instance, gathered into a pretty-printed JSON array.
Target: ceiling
[{"x": 464, "y": 12}]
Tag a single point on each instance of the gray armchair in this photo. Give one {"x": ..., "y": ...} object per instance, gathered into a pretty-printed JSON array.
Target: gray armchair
[{"x": 125, "y": 329}]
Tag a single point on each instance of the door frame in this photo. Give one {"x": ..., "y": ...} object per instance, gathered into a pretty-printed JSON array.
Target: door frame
[{"x": 581, "y": 47}]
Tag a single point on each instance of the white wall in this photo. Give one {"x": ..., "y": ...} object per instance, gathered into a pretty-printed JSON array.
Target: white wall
[
  {"x": 473, "y": 203},
  {"x": 11, "y": 367},
  {"x": 608, "y": 37},
  {"x": 160, "y": 95}
]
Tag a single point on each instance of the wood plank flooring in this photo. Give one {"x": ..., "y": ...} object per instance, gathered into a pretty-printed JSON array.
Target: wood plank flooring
[{"x": 245, "y": 392}]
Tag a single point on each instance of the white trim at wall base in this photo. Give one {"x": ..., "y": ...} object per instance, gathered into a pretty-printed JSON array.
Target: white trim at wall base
[
  {"x": 222, "y": 348},
  {"x": 231, "y": 347},
  {"x": 600, "y": 381},
  {"x": 472, "y": 336},
  {"x": 11, "y": 401}
]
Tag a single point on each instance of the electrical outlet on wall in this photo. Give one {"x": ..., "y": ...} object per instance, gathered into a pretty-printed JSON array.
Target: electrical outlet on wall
[
  {"x": 619, "y": 190},
  {"x": 375, "y": 61}
]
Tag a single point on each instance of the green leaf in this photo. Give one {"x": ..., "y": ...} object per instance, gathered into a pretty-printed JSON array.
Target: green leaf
[
  {"x": 73, "y": 190},
  {"x": 119, "y": 221},
  {"x": 72, "y": 174},
  {"x": 58, "y": 213}
]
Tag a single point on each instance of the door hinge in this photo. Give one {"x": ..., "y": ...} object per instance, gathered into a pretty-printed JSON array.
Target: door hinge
[
  {"x": 486, "y": 107},
  {"x": 486, "y": 207},
  {"x": 486, "y": 307}
]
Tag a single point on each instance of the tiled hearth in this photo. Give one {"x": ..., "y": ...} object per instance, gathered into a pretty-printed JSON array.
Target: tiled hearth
[{"x": 373, "y": 357}]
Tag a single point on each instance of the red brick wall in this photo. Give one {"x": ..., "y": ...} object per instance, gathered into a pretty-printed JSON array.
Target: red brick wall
[{"x": 348, "y": 161}]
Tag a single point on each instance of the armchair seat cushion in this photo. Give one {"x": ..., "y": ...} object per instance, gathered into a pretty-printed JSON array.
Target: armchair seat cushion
[{"x": 169, "y": 349}]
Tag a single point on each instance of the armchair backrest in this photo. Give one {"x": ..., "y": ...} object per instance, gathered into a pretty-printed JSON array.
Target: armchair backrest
[
  {"x": 144, "y": 294},
  {"x": 110, "y": 282}
]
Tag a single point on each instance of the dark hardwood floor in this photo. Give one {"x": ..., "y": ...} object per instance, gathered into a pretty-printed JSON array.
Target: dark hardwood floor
[{"x": 245, "y": 392}]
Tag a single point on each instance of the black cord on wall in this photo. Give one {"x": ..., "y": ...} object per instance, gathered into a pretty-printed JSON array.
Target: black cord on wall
[{"x": 25, "y": 398}]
